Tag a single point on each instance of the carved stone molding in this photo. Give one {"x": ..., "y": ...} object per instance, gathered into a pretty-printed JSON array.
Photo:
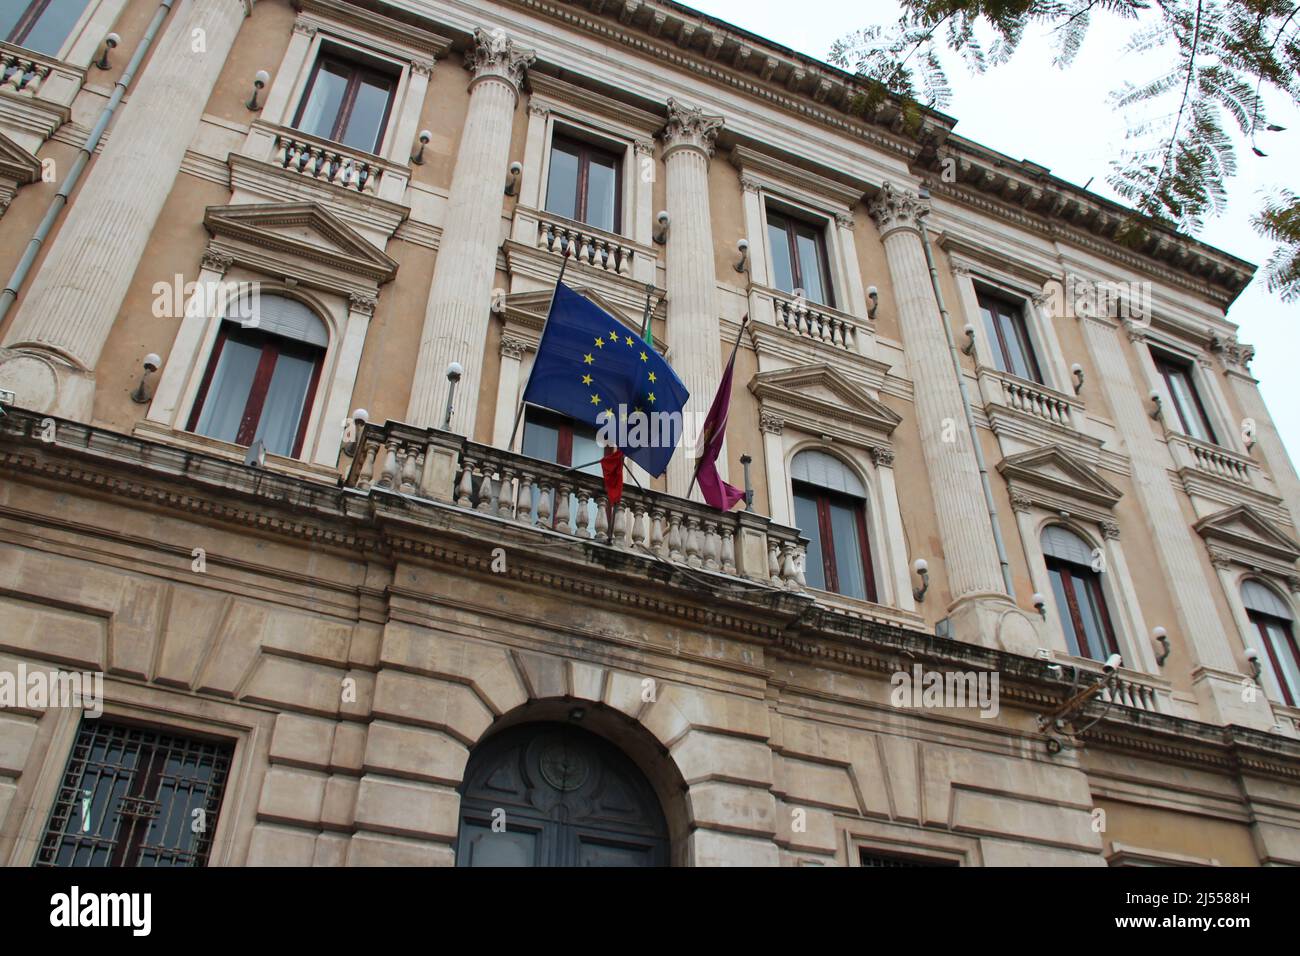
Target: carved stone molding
[
  {"x": 770, "y": 423},
  {"x": 513, "y": 348},
  {"x": 844, "y": 220},
  {"x": 749, "y": 184},
  {"x": 1232, "y": 353},
  {"x": 1220, "y": 559},
  {"x": 304, "y": 27},
  {"x": 1293, "y": 583},
  {"x": 362, "y": 303},
  {"x": 1021, "y": 502},
  {"x": 882, "y": 457},
  {"x": 1137, "y": 333},
  {"x": 894, "y": 209},
  {"x": 496, "y": 55},
  {"x": 538, "y": 109},
  {"x": 643, "y": 147},
  {"x": 689, "y": 127},
  {"x": 1110, "y": 529},
  {"x": 421, "y": 67},
  {"x": 216, "y": 261}
]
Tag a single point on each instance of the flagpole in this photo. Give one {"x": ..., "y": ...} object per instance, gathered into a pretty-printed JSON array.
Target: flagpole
[
  {"x": 649, "y": 309},
  {"x": 564, "y": 264},
  {"x": 734, "y": 348}
]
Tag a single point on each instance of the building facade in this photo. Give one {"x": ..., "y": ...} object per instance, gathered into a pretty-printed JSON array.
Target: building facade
[{"x": 1017, "y": 583}]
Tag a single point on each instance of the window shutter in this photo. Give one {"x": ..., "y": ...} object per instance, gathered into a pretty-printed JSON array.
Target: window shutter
[
  {"x": 826, "y": 471},
  {"x": 1064, "y": 545},
  {"x": 285, "y": 317},
  {"x": 1264, "y": 600}
]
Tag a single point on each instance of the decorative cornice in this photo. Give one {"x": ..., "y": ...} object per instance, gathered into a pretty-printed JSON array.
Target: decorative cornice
[
  {"x": 893, "y": 209},
  {"x": 362, "y": 303},
  {"x": 513, "y": 347},
  {"x": 400, "y": 30},
  {"x": 497, "y": 56},
  {"x": 770, "y": 422},
  {"x": 689, "y": 127}
]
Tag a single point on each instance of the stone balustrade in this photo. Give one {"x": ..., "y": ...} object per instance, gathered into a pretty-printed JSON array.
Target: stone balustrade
[
  {"x": 1029, "y": 398},
  {"x": 593, "y": 247},
  {"x": 1211, "y": 459},
  {"x": 808, "y": 320},
  {"x": 441, "y": 466},
  {"x": 325, "y": 162},
  {"x": 21, "y": 73},
  {"x": 1125, "y": 692}
]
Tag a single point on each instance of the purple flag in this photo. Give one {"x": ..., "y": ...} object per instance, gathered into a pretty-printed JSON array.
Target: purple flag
[{"x": 717, "y": 492}]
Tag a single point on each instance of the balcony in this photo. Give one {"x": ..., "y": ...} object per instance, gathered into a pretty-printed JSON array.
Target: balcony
[
  {"x": 1212, "y": 461},
  {"x": 1030, "y": 399},
  {"x": 815, "y": 323},
  {"x": 326, "y": 162},
  {"x": 437, "y": 465},
  {"x": 607, "y": 252},
  {"x": 23, "y": 72}
]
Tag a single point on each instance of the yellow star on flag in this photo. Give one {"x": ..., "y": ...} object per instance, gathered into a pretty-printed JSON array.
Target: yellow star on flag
[
  {"x": 651, "y": 397},
  {"x": 588, "y": 359},
  {"x": 595, "y": 399},
  {"x": 600, "y": 343},
  {"x": 652, "y": 375},
  {"x": 645, "y": 358},
  {"x": 630, "y": 341},
  {"x": 586, "y": 380}
]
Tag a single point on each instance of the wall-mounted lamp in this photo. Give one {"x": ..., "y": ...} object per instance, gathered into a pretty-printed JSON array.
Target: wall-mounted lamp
[
  {"x": 1040, "y": 603},
  {"x": 1161, "y": 637},
  {"x": 512, "y": 178},
  {"x": 969, "y": 345},
  {"x": 418, "y": 156},
  {"x": 110, "y": 43},
  {"x": 743, "y": 248},
  {"x": 922, "y": 570},
  {"x": 1077, "y": 371},
  {"x": 255, "y": 457},
  {"x": 352, "y": 431},
  {"x": 454, "y": 371},
  {"x": 745, "y": 462},
  {"x": 260, "y": 79},
  {"x": 1157, "y": 409},
  {"x": 1252, "y": 657},
  {"x": 874, "y": 295},
  {"x": 142, "y": 391},
  {"x": 661, "y": 228}
]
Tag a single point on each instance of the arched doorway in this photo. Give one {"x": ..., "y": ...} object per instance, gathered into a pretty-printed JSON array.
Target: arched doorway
[{"x": 551, "y": 794}]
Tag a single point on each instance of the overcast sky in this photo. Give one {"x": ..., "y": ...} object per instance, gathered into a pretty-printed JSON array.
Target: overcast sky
[{"x": 1062, "y": 119}]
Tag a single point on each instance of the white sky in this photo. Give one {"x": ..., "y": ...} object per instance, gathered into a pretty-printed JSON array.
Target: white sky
[{"x": 1029, "y": 109}]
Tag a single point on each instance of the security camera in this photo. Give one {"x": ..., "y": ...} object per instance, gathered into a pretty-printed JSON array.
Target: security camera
[{"x": 1112, "y": 663}]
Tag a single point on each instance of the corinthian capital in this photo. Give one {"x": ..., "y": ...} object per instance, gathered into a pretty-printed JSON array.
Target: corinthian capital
[
  {"x": 894, "y": 209},
  {"x": 690, "y": 127},
  {"x": 496, "y": 55}
]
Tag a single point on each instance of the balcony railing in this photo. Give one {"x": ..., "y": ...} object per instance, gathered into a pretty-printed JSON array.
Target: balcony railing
[
  {"x": 1029, "y": 398},
  {"x": 1211, "y": 460},
  {"x": 22, "y": 74},
  {"x": 324, "y": 162},
  {"x": 818, "y": 323},
  {"x": 433, "y": 464},
  {"x": 592, "y": 247}
]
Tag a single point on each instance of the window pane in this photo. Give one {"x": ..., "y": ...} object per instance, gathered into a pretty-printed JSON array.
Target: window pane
[
  {"x": 285, "y": 396},
  {"x": 562, "y": 183},
  {"x": 602, "y": 189},
  {"x": 53, "y": 25},
  {"x": 994, "y": 347},
  {"x": 223, "y": 406},
  {"x": 1184, "y": 395},
  {"x": 541, "y": 441},
  {"x": 848, "y": 550},
  {"x": 10, "y": 14},
  {"x": 1090, "y": 615},
  {"x": 1063, "y": 611},
  {"x": 810, "y": 272},
  {"x": 366, "y": 121},
  {"x": 1284, "y": 654},
  {"x": 1017, "y": 347},
  {"x": 805, "y": 517},
  {"x": 325, "y": 101},
  {"x": 782, "y": 269}
]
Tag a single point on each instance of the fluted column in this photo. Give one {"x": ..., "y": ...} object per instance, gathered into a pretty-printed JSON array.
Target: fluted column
[
  {"x": 460, "y": 296},
  {"x": 693, "y": 329},
  {"x": 969, "y": 552},
  {"x": 75, "y": 297}
]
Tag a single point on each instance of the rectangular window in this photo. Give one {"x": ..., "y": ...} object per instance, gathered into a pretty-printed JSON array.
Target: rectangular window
[
  {"x": 41, "y": 26},
  {"x": 1007, "y": 335},
  {"x": 347, "y": 103},
  {"x": 584, "y": 184},
  {"x": 132, "y": 796},
  {"x": 1280, "y": 644},
  {"x": 839, "y": 552},
  {"x": 799, "y": 259},
  {"x": 1181, "y": 389},
  {"x": 1084, "y": 615}
]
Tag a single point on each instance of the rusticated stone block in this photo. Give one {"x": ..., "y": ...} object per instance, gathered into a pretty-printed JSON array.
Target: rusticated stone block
[
  {"x": 725, "y": 806},
  {"x": 711, "y": 848},
  {"x": 273, "y": 845},
  {"x": 416, "y": 753},
  {"x": 407, "y": 808},
  {"x": 291, "y": 795},
  {"x": 703, "y": 756},
  {"x": 302, "y": 741},
  {"x": 408, "y": 698}
]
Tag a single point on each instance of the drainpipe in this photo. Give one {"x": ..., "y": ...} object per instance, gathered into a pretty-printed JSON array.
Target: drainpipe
[
  {"x": 966, "y": 406},
  {"x": 10, "y": 294}
]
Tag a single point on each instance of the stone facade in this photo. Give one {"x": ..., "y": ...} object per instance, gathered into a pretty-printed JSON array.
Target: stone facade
[{"x": 354, "y": 620}]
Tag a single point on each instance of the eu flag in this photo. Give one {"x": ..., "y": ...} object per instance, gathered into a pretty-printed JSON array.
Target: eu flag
[{"x": 594, "y": 369}]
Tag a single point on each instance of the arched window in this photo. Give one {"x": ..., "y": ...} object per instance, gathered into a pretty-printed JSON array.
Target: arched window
[
  {"x": 1077, "y": 589},
  {"x": 1275, "y": 624},
  {"x": 261, "y": 377},
  {"x": 830, "y": 510}
]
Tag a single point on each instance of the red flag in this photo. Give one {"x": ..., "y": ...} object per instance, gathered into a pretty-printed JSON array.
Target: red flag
[
  {"x": 717, "y": 492},
  {"x": 611, "y": 467}
]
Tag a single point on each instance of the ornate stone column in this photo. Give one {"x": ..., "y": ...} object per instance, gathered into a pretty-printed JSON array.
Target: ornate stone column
[
  {"x": 460, "y": 296},
  {"x": 693, "y": 328},
  {"x": 361, "y": 308},
  {"x": 69, "y": 310},
  {"x": 969, "y": 553}
]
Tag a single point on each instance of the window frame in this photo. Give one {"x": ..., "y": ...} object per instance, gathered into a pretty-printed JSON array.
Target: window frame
[
  {"x": 271, "y": 351},
  {"x": 822, "y": 498},
  {"x": 1260, "y": 621},
  {"x": 1165, "y": 364},
  {"x": 359, "y": 69},
  {"x": 570, "y": 140},
  {"x": 1092, "y": 582},
  {"x": 31, "y": 17},
  {"x": 793, "y": 222},
  {"x": 1014, "y": 312}
]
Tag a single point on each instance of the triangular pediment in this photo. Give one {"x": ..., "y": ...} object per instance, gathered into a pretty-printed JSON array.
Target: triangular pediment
[
  {"x": 305, "y": 230},
  {"x": 822, "y": 391},
  {"x": 1054, "y": 469},
  {"x": 16, "y": 164},
  {"x": 1245, "y": 528}
]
